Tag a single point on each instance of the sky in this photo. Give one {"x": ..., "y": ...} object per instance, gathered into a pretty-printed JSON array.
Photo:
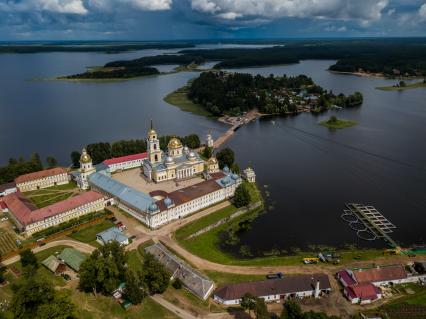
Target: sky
[{"x": 30, "y": 20}]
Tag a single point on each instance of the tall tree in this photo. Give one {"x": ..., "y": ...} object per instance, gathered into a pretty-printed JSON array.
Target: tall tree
[
  {"x": 291, "y": 310},
  {"x": 260, "y": 309},
  {"x": 242, "y": 196},
  {"x": 29, "y": 262},
  {"x": 51, "y": 161},
  {"x": 36, "y": 162},
  {"x": 133, "y": 290},
  {"x": 248, "y": 302},
  {"x": 154, "y": 275},
  {"x": 226, "y": 157},
  {"x": 104, "y": 269},
  {"x": 75, "y": 159}
]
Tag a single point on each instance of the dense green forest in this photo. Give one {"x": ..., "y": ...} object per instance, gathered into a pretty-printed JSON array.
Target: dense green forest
[
  {"x": 17, "y": 167},
  {"x": 90, "y": 47},
  {"x": 117, "y": 73},
  {"x": 232, "y": 93},
  {"x": 392, "y": 57}
]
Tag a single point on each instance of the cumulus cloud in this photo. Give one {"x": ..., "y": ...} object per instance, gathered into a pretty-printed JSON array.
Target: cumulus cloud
[
  {"x": 366, "y": 10},
  {"x": 59, "y": 6},
  {"x": 422, "y": 11}
]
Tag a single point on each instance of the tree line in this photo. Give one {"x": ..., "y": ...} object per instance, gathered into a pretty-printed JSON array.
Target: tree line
[
  {"x": 233, "y": 93},
  {"x": 372, "y": 55},
  {"x": 16, "y": 167},
  {"x": 105, "y": 150}
]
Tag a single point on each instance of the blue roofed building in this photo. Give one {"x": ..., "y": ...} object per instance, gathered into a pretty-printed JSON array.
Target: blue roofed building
[{"x": 112, "y": 234}]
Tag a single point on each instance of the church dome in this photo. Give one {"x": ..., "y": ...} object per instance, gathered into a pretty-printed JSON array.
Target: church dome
[
  {"x": 153, "y": 207},
  {"x": 169, "y": 160},
  {"x": 192, "y": 156},
  {"x": 168, "y": 202},
  {"x": 85, "y": 158},
  {"x": 186, "y": 149},
  {"x": 226, "y": 169},
  {"x": 234, "y": 177},
  {"x": 174, "y": 143},
  {"x": 212, "y": 161}
]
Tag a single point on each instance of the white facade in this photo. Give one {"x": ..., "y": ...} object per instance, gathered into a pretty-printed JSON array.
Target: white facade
[
  {"x": 48, "y": 181},
  {"x": 125, "y": 165},
  {"x": 159, "y": 218},
  {"x": 269, "y": 298},
  {"x": 249, "y": 175},
  {"x": 8, "y": 191},
  {"x": 209, "y": 141}
]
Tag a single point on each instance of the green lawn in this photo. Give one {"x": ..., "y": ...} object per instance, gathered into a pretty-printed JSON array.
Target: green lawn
[
  {"x": 48, "y": 196},
  {"x": 179, "y": 98},
  {"x": 409, "y": 86},
  {"x": 88, "y": 305},
  {"x": 88, "y": 234},
  {"x": 48, "y": 199},
  {"x": 221, "y": 278},
  {"x": 338, "y": 123},
  {"x": 205, "y": 221},
  {"x": 101, "y": 307}
]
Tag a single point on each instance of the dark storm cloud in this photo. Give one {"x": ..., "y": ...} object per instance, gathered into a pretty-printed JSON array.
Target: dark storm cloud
[{"x": 180, "y": 19}]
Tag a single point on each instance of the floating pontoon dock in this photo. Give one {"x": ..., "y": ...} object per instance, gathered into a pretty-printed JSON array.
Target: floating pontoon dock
[{"x": 368, "y": 223}]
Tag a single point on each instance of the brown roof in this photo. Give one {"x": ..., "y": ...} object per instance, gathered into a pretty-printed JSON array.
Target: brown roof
[
  {"x": 26, "y": 213},
  {"x": 40, "y": 174},
  {"x": 287, "y": 285},
  {"x": 365, "y": 291},
  {"x": 386, "y": 273},
  {"x": 187, "y": 194}
]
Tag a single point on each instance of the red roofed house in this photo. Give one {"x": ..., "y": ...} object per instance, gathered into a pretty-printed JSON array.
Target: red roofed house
[
  {"x": 30, "y": 220},
  {"x": 125, "y": 162},
  {"x": 42, "y": 179},
  {"x": 378, "y": 276},
  {"x": 362, "y": 293}
]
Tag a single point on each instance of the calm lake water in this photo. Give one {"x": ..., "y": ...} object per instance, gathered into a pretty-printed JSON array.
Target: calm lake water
[{"x": 306, "y": 171}]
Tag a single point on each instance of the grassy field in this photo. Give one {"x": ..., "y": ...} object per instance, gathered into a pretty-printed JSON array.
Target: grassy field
[
  {"x": 7, "y": 242},
  {"x": 48, "y": 196},
  {"x": 221, "y": 278},
  {"x": 90, "y": 306},
  {"x": 198, "y": 224},
  {"x": 338, "y": 123},
  {"x": 100, "y": 307},
  {"x": 409, "y": 86},
  {"x": 88, "y": 235},
  {"x": 179, "y": 98},
  {"x": 207, "y": 245}
]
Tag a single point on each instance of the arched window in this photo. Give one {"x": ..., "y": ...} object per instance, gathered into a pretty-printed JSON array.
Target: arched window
[{"x": 156, "y": 157}]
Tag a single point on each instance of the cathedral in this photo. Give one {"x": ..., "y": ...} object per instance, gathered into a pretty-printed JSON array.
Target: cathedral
[{"x": 177, "y": 163}]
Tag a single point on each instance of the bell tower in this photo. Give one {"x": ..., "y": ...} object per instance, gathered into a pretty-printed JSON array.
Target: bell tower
[{"x": 153, "y": 146}]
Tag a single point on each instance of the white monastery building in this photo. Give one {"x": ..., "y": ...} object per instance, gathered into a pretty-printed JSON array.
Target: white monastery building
[
  {"x": 30, "y": 220},
  {"x": 42, "y": 179},
  {"x": 125, "y": 162}
]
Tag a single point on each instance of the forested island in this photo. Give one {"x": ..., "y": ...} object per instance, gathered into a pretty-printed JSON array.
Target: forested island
[
  {"x": 393, "y": 58},
  {"x": 112, "y": 73},
  {"x": 225, "y": 93}
]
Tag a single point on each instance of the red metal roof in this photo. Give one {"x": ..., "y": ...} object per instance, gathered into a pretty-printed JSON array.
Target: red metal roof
[
  {"x": 366, "y": 291},
  {"x": 123, "y": 159},
  {"x": 40, "y": 174},
  {"x": 385, "y": 273},
  {"x": 344, "y": 275},
  {"x": 19, "y": 206}
]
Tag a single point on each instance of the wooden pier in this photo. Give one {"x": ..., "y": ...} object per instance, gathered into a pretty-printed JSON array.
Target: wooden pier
[{"x": 369, "y": 223}]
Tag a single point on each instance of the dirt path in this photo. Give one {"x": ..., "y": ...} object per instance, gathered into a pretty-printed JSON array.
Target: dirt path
[{"x": 84, "y": 248}]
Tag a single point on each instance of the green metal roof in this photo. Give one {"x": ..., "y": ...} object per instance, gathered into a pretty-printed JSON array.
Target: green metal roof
[
  {"x": 72, "y": 257},
  {"x": 52, "y": 263}
]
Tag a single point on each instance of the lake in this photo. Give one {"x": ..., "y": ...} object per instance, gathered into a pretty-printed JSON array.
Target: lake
[{"x": 306, "y": 172}]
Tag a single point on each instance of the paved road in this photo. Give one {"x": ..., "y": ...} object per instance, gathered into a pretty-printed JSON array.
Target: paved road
[{"x": 84, "y": 248}]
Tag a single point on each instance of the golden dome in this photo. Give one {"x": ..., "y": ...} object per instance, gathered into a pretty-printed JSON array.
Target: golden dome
[
  {"x": 85, "y": 158},
  {"x": 212, "y": 161},
  {"x": 174, "y": 143}
]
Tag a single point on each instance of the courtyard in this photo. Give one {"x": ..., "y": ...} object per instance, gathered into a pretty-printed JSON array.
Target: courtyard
[{"x": 135, "y": 179}]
